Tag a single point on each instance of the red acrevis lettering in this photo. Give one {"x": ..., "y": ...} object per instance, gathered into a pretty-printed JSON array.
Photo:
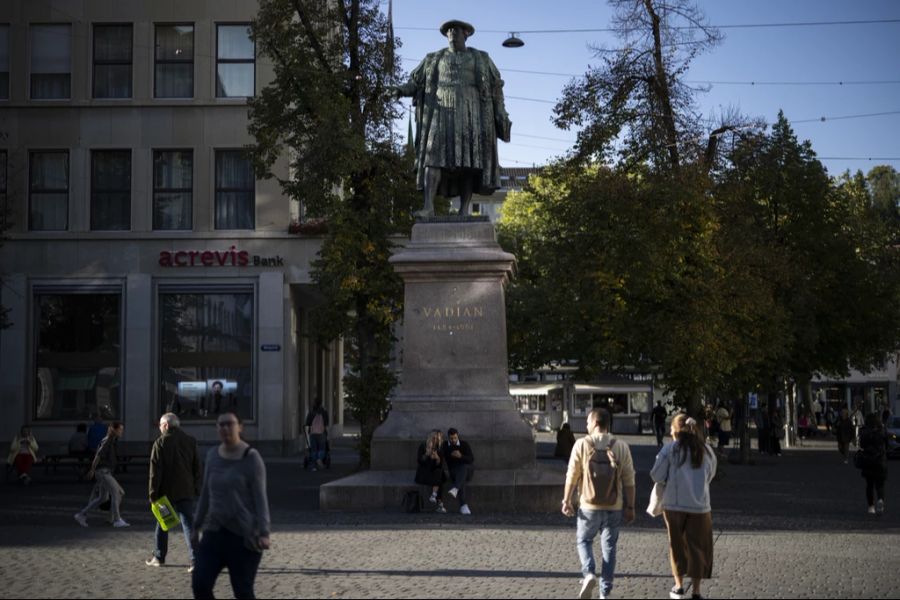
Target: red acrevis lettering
[
  {"x": 165, "y": 259},
  {"x": 221, "y": 257},
  {"x": 178, "y": 256},
  {"x": 206, "y": 258},
  {"x": 243, "y": 258},
  {"x": 193, "y": 254}
]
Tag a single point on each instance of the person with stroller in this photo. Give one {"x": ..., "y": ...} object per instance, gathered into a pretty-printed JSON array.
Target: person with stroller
[{"x": 431, "y": 468}]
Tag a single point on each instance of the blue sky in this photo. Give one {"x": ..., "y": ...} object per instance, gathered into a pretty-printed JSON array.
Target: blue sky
[{"x": 828, "y": 54}]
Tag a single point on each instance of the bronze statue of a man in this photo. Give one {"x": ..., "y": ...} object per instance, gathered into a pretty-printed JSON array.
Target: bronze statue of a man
[{"x": 458, "y": 96}]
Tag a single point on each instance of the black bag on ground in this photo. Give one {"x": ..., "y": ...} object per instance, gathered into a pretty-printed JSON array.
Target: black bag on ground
[{"x": 412, "y": 502}]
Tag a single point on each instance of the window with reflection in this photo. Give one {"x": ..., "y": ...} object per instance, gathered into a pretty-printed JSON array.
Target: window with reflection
[
  {"x": 78, "y": 356},
  {"x": 173, "y": 189},
  {"x": 4, "y": 62},
  {"x": 206, "y": 362},
  {"x": 235, "y": 62},
  {"x": 235, "y": 191},
  {"x": 174, "y": 67},
  {"x": 48, "y": 190}
]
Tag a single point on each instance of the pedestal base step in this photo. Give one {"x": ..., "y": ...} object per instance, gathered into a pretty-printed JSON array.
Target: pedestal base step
[{"x": 522, "y": 490}]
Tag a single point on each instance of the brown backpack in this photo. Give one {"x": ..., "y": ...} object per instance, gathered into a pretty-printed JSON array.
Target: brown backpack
[{"x": 604, "y": 477}]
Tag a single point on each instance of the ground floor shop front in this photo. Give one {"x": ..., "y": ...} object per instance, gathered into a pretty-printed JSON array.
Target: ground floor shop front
[{"x": 129, "y": 329}]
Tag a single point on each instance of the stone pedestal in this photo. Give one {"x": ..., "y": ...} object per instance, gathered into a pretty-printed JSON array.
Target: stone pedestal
[
  {"x": 454, "y": 358},
  {"x": 454, "y": 374}
]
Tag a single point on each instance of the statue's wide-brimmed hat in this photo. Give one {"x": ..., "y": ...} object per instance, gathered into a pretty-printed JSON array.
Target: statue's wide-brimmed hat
[{"x": 467, "y": 27}]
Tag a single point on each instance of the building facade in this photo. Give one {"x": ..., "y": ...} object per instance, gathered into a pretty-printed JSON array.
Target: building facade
[{"x": 145, "y": 268}]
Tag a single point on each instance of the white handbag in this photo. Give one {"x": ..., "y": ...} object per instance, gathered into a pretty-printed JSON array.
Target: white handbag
[{"x": 655, "y": 508}]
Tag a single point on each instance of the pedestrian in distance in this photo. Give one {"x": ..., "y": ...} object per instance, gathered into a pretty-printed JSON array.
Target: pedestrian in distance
[
  {"x": 686, "y": 466},
  {"x": 776, "y": 431},
  {"x": 317, "y": 434},
  {"x": 858, "y": 420},
  {"x": 659, "y": 423},
  {"x": 176, "y": 474},
  {"x": 231, "y": 527},
  {"x": 723, "y": 416},
  {"x": 431, "y": 468},
  {"x": 106, "y": 487},
  {"x": 23, "y": 454},
  {"x": 602, "y": 469},
  {"x": 565, "y": 441},
  {"x": 460, "y": 462},
  {"x": 843, "y": 431},
  {"x": 872, "y": 460}
]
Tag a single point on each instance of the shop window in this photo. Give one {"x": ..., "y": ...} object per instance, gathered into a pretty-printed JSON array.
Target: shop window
[
  {"x": 206, "y": 342},
  {"x": 78, "y": 356},
  {"x": 641, "y": 402},
  {"x": 112, "y": 61},
  {"x": 235, "y": 62},
  {"x": 48, "y": 191},
  {"x": 582, "y": 404},
  {"x": 174, "y": 67},
  {"x": 173, "y": 189},
  {"x": 235, "y": 191},
  {"x": 51, "y": 62},
  {"x": 4, "y": 62},
  {"x": 111, "y": 190}
]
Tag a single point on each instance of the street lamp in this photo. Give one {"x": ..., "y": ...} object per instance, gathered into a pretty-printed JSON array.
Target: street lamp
[{"x": 512, "y": 41}]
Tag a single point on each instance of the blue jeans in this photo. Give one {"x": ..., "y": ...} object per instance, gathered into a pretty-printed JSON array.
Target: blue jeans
[
  {"x": 185, "y": 510},
  {"x": 607, "y": 523},
  {"x": 221, "y": 549}
]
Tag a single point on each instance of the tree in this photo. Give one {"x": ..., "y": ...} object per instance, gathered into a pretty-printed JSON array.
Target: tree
[
  {"x": 884, "y": 186},
  {"x": 328, "y": 108}
]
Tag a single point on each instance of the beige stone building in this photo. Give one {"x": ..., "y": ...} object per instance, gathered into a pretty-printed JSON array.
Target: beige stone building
[{"x": 145, "y": 267}]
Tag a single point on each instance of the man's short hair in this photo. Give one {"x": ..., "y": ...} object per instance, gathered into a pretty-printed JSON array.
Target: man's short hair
[
  {"x": 452, "y": 431},
  {"x": 601, "y": 417},
  {"x": 172, "y": 419}
]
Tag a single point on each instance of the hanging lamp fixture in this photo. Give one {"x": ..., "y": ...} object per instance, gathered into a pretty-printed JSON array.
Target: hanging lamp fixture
[{"x": 512, "y": 41}]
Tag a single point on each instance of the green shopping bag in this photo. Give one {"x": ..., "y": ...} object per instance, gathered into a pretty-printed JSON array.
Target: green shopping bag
[{"x": 165, "y": 513}]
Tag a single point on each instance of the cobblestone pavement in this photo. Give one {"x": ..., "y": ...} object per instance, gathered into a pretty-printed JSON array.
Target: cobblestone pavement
[{"x": 792, "y": 526}]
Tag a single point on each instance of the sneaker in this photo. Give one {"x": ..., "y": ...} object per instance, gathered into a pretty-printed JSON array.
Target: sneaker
[
  {"x": 154, "y": 562},
  {"x": 440, "y": 508},
  {"x": 433, "y": 498},
  {"x": 871, "y": 510},
  {"x": 464, "y": 510},
  {"x": 587, "y": 586},
  {"x": 82, "y": 520},
  {"x": 119, "y": 523},
  {"x": 879, "y": 507},
  {"x": 320, "y": 464},
  {"x": 191, "y": 568},
  {"x": 454, "y": 491},
  {"x": 677, "y": 593}
]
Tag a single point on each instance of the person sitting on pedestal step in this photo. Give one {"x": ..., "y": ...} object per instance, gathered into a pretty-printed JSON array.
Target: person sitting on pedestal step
[
  {"x": 459, "y": 458},
  {"x": 430, "y": 471}
]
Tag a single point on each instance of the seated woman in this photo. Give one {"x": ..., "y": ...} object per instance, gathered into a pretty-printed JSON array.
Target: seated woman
[
  {"x": 23, "y": 454},
  {"x": 431, "y": 468}
]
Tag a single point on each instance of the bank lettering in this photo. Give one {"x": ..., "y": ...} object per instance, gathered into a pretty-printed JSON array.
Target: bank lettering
[{"x": 214, "y": 258}]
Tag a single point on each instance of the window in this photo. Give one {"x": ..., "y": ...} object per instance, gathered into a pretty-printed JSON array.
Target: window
[
  {"x": 235, "y": 66},
  {"x": 4, "y": 208},
  {"x": 206, "y": 342},
  {"x": 173, "y": 189},
  {"x": 78, "y": 355},
  {"x": 112, "y": 61},
  {"x": 4, "y": 62},
  {"x": 51, "y": 62},
  {"x": 235, "y": 191},
  {"x": 174, "y": 74},
  {"x": 48, "y": 191},
  {"x": 111, "y": 190},
  {"x": 476, "y": 208}
]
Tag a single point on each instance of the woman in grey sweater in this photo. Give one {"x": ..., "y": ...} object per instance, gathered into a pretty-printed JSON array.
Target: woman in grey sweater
[
  {"x": 686, "y": 466},
  {"x": 232, "y": 513}
]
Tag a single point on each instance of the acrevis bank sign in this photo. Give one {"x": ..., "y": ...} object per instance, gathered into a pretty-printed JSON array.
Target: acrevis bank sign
[{"x": 214, "y": 258}]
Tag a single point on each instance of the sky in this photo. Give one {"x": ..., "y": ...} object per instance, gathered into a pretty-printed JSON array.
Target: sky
[{"x": 795, "y": 69}]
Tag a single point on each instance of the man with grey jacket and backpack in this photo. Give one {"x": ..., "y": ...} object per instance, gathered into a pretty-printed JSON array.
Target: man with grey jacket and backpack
[{"x": 602, "y": 468}]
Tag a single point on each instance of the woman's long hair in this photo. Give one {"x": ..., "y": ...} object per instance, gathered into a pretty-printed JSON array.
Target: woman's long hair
[
  {"x": 690, "y": 438},
  {"x": 433, "y": 443}
]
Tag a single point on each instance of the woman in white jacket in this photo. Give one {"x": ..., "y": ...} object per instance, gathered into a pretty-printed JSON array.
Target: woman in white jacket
[{"x": 686, "y": 466}]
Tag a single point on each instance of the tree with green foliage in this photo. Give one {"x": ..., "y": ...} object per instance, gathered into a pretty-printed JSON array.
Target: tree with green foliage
[
  {"x": 329, "y": 110},
  {"x": 884, "y": 185}
]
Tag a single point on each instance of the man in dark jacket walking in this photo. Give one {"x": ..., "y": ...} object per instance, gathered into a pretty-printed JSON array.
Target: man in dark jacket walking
[
  {"x": 174, "y": 473},
  {"x": 459, "y": 458}
]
